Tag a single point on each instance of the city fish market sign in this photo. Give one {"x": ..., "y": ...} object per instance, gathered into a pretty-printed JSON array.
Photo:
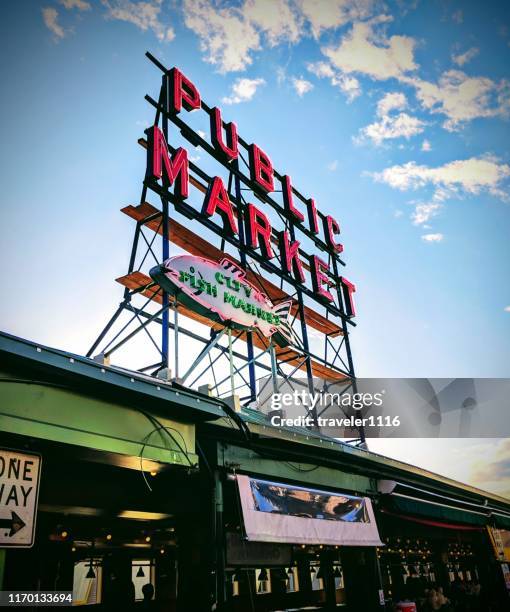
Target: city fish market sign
[
  {"x": 219, "y": 289},
  {"x": 221, "y": 292}
]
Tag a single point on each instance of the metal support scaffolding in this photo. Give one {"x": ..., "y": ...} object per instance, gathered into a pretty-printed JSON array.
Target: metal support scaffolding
[{"x": 285, "y": 364}]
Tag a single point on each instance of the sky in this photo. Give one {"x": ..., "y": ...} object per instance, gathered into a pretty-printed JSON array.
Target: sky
[{"x": 394, "y": 116}]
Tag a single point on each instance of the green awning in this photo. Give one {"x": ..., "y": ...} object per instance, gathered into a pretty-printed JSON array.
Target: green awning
[
  {"x": 434, "y": 511},
  {"x": 501, "y": 522},
  {"x": 61, "y": 415}
]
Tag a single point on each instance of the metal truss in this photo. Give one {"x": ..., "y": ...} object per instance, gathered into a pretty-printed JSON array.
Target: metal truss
[{"x": 230, "y": 362}]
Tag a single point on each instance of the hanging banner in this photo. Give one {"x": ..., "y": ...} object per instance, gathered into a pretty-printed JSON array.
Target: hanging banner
[{"x": 278, "y": 512}]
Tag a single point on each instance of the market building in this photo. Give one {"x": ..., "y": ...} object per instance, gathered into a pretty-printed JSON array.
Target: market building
[{"x": 143, "y": 481}]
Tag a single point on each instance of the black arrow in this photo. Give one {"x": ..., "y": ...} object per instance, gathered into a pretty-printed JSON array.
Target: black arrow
[{"x": 15, "y": 523}]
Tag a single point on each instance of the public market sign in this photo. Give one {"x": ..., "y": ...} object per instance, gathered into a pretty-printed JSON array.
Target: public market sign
[
  {"x": 239, "y": 222},
  {"x": 221, "y": 291},
  {"x": 19, "y": 490}
]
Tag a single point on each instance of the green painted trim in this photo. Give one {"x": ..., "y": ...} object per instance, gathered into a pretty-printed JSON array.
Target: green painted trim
[
  {"x": 190, "y": 405},
  {"x": 438, "y": 512},
  {"x": 245, "y": 460},
  {"x": 59, "y": 415}
]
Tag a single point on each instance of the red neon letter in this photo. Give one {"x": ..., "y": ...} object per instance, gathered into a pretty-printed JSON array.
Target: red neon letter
[
  {"x": 319, "y": 278},
  {"x": 332, "y": 228},
  {"x": 261, "y": 168},
  {"x": 288, "y": 201},
  {"x": 291, "y": 262},
  {"x": 347, "y": 290},
  {"x": 230, "y": 150},
  {"x": 258, "y": 225},
  {"x": 176, "y": 168},
  {"x": 182, "y": 92},
  {"x": 312, "y": 216},
  {"x": 217, "y": 199}
]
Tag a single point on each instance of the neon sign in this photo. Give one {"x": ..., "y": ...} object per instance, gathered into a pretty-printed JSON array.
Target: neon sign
[
  {"x": 221, "y": 292},
  {"x": 246, "y": 225}
]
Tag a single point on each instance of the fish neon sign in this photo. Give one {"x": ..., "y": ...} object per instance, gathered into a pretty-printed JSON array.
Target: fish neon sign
[{"x": 221, "y": 292}]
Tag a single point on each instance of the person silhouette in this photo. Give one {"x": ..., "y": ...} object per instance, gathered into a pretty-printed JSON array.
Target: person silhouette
[{"x": 148, "y": 594}]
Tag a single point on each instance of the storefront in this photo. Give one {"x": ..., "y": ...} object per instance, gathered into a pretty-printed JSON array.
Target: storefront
[
  {"x": 148, "y": 487},
  {"x": 119, "y": 477}
]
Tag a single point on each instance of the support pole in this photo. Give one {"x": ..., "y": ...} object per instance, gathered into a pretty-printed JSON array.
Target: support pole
[
  {"x": 348, "y": 352},
  {"x": 274, "y": 368},
  {"x": 304, "y": 335},
  {"x": 165, "y": 229},
  {"x": 205, "y": 351},
  {"x": 176, "y": 339},
  {"x": 231, "y": 361},
  {"x": 106, "y": 329},
  {"x": 242, "y": 253}
]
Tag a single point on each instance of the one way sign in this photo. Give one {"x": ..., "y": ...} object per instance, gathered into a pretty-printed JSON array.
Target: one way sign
[{"x": 19, "y": 489}]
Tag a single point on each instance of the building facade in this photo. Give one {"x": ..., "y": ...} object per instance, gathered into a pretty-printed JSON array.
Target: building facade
[{"x": 144, "y": 482}]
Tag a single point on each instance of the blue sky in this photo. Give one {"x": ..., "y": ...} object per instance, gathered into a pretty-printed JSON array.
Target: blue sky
[{"x": 394, "y": 116}]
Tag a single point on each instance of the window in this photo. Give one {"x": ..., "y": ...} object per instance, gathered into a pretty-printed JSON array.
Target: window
[
  {"x": 142, "y": 572},
  {"x": 87, "y": 580},
  {"x": 235, "y": 585},
  {"x": 317, "y": 580},
  {"x": 262, "y": 581},
  {"x": 292, "y": 580}
]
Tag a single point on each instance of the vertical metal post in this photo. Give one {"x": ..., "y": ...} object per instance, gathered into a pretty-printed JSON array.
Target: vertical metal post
[
  {"x": 231, "y": 361},
  {"x": 176, "y": 339},
  {"x": 242, "y": 240},
  {"x": 165, "y": 330},
  {"x": 274, "y": 369},
  {"x": 304, "y": 335},
  {"x": 348, "y": 352}
]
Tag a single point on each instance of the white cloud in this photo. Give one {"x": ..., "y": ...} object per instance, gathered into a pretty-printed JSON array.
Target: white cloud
[
  {"x": 391, "y": 101},
  {"x": 80, "y": 5},
  {"x": 462, "y": 98},
  {"x": 390, "y": 126},
  {"x": 229, "y": 35},
  {"x": 50, "y": 18},
  {"x": 329, "y": 14},
  {"x": 463, "y": 58},
  {"x": 349, "y": 85},
  {"x": 144, "y": 15},
  {"x": 432, "y": 237},
  {"x": 275, "y": 18},
  {"x": 469, "y": 176},
  {"x": 321, "y": 69},
  {"x": 398, "y": 213},
  {"x": 243, "y": 90},
  {"x": 366, "y": 51},
  {"x": 301, "y": 86},
  {"x": 507, "y": 309},
  {"x": 424, "y": 212},
  {"x": 332, "y": 166},
  {"x": 426, "y": 146}
]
